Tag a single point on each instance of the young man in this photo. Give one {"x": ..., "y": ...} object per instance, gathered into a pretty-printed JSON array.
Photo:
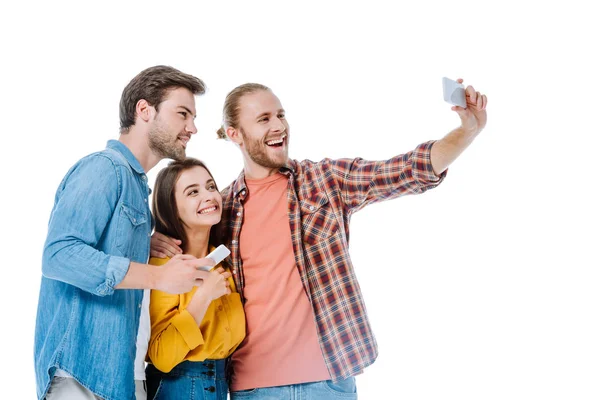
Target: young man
[
  {"x": 287, "y": 225},
  {"x": 90, "y": 323}
]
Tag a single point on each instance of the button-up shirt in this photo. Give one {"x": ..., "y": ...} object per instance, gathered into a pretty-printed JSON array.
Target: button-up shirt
[
  {"x": 322, "y": 197},
  {"x": 100, "y": 222}
]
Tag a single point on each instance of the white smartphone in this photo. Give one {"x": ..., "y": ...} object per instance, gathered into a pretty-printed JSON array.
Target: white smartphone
[
  {"x": 217, "y": 255},
  {"x": 454, "y": 92}
]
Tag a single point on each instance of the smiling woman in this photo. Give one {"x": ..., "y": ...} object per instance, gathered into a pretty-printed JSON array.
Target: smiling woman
[{"x": 192, "y": 334}]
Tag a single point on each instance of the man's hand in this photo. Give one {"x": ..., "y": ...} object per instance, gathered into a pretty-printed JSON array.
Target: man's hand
[
  {"x": 473, "y": 120},
  {"x": 180, "y": 274},
  {"x": 474, "y": 117},
  {"x": 162, "y": 246}
]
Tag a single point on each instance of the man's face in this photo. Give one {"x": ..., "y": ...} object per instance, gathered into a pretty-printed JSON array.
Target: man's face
[
  {"x": 173, "y": 124},
  {"x": 264, "y": 129}
]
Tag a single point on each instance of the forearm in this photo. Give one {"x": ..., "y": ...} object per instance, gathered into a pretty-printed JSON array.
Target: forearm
[
  {"x": 80, "y": 265},
  {"x": 139, "y": 276},
  {"x": 446, "y": 150},
  {"x": 175, "y": 332},
  {"x": 198, "y": 306}
]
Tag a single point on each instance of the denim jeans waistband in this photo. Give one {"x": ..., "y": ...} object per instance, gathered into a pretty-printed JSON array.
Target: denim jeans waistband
[{"x": 198, "y": 369}]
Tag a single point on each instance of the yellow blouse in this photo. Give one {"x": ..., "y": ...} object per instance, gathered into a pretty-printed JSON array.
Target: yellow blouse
[{"x": 175, "y": 337}]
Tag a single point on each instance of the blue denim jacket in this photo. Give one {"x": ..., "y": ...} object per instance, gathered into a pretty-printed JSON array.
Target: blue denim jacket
[{"x": 100, "y": 222}]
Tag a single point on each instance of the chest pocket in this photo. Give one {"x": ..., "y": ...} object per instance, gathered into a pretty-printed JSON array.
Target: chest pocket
[
  {"x": 318, "y": 219},
  {"x": 132, "y": 233}
]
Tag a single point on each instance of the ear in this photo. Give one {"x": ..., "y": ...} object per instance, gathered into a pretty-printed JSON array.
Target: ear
[
  {"x": 234, "y": 135},
  {"x": 144, "y": 110}
]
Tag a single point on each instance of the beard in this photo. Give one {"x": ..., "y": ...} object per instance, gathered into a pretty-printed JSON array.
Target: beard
[
  {"x": 163, "y": 144},
  {"x": 258, "y": 153}
]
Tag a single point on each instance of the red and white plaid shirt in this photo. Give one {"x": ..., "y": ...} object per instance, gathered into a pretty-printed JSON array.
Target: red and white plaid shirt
[{"x": 321, "y": 197}]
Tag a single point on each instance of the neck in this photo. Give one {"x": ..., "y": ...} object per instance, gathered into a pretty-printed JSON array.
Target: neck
[
  {"x": 137, "y": 142},
  {"x": 253, "y": 171},
  {"x": 197, "y": 242}
]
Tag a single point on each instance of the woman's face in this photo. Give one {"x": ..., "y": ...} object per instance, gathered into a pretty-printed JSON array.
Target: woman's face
[{"x": 199, "y": 203}]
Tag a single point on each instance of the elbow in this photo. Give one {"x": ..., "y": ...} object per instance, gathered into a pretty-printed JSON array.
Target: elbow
[{"x": 160, "y": 361}]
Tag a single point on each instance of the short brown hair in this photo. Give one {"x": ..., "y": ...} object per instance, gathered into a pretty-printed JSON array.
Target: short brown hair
[
  {"x": 152, "y": 85},
  {"x": 164, "y": 206},
  {"x": 231, "y": 108}
]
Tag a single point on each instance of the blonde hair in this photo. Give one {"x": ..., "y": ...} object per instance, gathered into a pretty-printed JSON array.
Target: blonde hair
[{"x": 231, "y": 108}]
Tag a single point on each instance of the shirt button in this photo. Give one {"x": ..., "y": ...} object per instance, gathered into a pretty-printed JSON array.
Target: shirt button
[
  {"x": 239, "y": 214},
  {"x": 243, "y": 192},
  {"x": 226, "y": 329},
  {"x": 312, "y": 208},
  {"x": 145, "y": 200},
  {"x": 140, "y": 306},
  {"x": 134, "y": 220},
  {"x": 234, "y": 241},
  {"x": 220, "y": 308}
]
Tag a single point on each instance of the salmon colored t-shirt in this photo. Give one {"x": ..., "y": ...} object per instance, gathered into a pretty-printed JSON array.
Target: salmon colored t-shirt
[{"x": 281, "y": 345}]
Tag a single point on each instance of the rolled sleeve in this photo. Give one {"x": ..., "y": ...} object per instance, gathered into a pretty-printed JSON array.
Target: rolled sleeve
[
  {"x": 115, "y": 273},
  {"x": 188, "y": 329},
  {"x": 422, "y": 169}
]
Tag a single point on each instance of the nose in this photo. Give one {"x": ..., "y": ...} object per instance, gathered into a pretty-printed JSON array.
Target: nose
[
  {"x": 190, "y": 127},
  {"x": 278, "y": 126}
]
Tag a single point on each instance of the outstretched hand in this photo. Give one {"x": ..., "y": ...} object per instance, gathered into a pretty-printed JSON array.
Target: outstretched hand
[{"x": 474, "y": 117}]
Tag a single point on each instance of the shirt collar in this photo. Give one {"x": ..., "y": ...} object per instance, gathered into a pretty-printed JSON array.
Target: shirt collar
[
  {"x": 239, "y": 186},
  {"x": 124, "y": 150}
]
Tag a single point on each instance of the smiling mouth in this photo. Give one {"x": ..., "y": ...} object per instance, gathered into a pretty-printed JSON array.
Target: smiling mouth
[
  {"x": 184, "y": 140},
  {"x": 207, "y": 210},
  {"x": 277, "y": 142}
]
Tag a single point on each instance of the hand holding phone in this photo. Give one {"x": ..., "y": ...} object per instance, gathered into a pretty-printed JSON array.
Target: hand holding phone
[
  {"x": 454, "y": 92},
  {"x": 217, "y": 255}
]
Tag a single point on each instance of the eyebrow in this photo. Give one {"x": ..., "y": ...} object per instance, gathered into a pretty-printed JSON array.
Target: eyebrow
[
  {"x": 190, "y": 186},
  {"x": 189, "y": 111},
  {"x": 208, "y": 182},
  {"x": 281, "y": 110}
]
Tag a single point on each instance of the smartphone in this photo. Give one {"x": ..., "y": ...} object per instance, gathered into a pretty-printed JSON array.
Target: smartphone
[
  {"x": 217, "y": 255},
  {"x": 454, "y": 92}
]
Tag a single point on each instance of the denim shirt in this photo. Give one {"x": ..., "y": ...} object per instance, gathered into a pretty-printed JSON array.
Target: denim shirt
[{"x": 100, "y": 222}]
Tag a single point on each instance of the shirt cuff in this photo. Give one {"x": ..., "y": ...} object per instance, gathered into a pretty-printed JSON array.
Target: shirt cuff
[
  {"x": 115, "y": 272},
  {"x": 188, "y": 329},
  {"x": 422, "y": 169}
]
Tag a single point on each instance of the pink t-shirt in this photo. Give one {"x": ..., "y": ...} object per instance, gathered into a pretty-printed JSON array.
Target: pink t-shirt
[{"x": 281, "y": 345}]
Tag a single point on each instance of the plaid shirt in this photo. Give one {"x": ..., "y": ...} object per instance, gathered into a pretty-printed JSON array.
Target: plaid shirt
[{"x": 321, "y": 197}]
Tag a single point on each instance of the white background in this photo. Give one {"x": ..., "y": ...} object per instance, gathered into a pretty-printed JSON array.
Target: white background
[{"x": 484, "y": 288}]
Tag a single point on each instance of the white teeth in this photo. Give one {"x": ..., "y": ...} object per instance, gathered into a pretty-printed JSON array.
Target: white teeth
[
  {"x": 276, "y": 141},
  {"x": 207, "y": 210}
]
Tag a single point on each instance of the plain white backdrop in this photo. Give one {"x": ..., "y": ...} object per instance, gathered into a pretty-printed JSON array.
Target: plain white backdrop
[{"x": 484, "y": 288}]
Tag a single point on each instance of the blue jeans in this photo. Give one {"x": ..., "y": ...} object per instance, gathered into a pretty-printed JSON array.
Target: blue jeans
[
  {"x": 322, "y": 390},
  {"x": 189, "y": 380}
]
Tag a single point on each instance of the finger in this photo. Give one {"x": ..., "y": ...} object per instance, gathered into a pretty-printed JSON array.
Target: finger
[
  {"x": 200, "y": 274},
  {"x": 205, "y": 262},
  {"x": 459, "y": 80},
  {"x": 479, "y": 101},
  {"x": 157, "y": 254},
  {"x": 184, "y": 257},
  {"x": 220, "y": 270},
  {"x": 226, "y": 275},
  {"x": 471, "y": 94},
  {"x": 484, "y": 101}
]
